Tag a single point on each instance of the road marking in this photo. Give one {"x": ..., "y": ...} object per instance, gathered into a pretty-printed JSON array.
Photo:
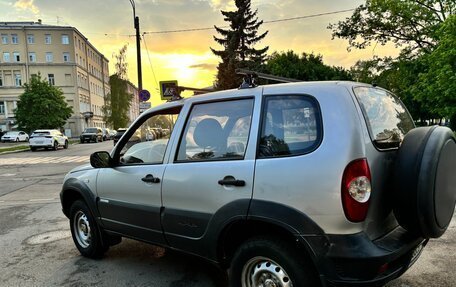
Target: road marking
[
  {"x": 42, "y": 160},
  {"x": 41, "y": 199}
]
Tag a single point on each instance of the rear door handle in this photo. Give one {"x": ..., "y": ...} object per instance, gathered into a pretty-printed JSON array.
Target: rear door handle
[
  {"x": 150, "y": 179},
  {"x": 229, "y": 180}
]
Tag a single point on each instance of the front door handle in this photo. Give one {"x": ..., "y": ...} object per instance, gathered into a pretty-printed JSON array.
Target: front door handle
[
  {"x": 229, "y": 180},
  {"x": 150, "y": 179}
]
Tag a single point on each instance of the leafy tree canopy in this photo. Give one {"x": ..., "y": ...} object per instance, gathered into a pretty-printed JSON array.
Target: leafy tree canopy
[
  {"x": 117, "y": 103},
  {"x": 41, "y": 106},
  {"x": 306, "y": 67},
  {"x": 410, "y": 24}
]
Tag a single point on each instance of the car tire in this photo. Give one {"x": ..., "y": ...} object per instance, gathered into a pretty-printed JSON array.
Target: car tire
[
  {"x": 32, "y": 148},
  {"x": 17, "y": 140},
  {"x": 85, "y": 231},
  {"x": 26, "y": 139},
  {"x": 96, "y": 140},
  {"x": 55, "y": 145},
  {"x": 66, "y": 145},
  {"x": 424, "y": 181},
  {"x": 268, "y": 258}
]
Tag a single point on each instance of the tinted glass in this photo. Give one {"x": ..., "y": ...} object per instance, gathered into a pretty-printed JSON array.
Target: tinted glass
[
  {"x": 386, "y": 116},
  {"x": 216, "y": 131},
  {"x": 291, "y": 125}
]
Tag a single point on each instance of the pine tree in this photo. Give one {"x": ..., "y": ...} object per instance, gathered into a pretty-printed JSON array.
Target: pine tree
[{"x": 238, "y": 41}]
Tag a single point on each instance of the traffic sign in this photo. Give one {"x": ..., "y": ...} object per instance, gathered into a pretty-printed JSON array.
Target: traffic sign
[
  {"x": 168, "y": 89},
  {"x": 144, "y": 106},
  {"x": 144, "y": 95}
]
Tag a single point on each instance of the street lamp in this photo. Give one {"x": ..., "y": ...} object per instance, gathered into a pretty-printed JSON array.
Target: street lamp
[{"x": 138, "y": 47}]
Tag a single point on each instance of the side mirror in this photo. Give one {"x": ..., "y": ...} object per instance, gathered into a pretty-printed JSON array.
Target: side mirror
[{"x": 100, "y": 159}]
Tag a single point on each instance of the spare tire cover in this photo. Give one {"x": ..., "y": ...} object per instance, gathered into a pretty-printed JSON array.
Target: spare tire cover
[{"x": 425, "y": 181}]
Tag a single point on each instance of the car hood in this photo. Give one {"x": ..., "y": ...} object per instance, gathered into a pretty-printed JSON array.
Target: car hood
[
  {"x": 81, "y": 168},
  {"x": 88, "y": 134}
]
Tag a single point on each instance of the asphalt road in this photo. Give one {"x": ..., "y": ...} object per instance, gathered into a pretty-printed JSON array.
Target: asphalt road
[{"x": 37, "y": 249}]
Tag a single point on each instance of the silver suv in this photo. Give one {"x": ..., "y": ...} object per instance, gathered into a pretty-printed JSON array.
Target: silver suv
[{"x": 284, "y": 185}]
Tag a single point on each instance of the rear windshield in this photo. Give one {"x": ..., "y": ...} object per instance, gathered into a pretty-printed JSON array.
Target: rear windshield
[
  {"x": 387, "y": 118},
  {"x": 91, "y": 130},
  {"x": 37, "y": 133}
]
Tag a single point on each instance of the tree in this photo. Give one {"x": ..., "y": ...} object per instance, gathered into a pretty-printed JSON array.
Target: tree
[
  {"x": 117, "y": 103},
  {"x": 410, "y": 24},
  {"x": 307, "y": 67},
  {"x": 41, "y": 106},
  {"x": 423, "y": 75},
  {"x": 238, "y": 42},
  {"x": 436, "y": 84}
]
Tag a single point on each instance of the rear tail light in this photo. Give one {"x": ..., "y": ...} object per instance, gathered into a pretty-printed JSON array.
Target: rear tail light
[{"x": 356, "y": 190}]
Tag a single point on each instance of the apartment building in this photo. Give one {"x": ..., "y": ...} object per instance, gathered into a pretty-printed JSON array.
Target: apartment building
[
  {"x": 65, "y": 58},
  {"x": 133, "y": 112}
]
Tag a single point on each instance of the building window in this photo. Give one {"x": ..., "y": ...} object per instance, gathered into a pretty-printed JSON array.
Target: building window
[
  {"x": 32, "y": 57},
  {"x": 6, "y": 57},
  {"x": 47, "y": 39},
  {"x": 49, "y": 57},
  {"x": 2, "y": 108},
  {"x": 1, "y": 79},
  {"x": 16, "y": 57},
  {"x": 4, "y": 39},
  {"x": 65, "y": 39},
  {"x": 14, "y": 39},
  {"x": 30, "y": 39},
  {"x": 51, "y": 79},
  {"x": 66, "y": 57},
  {"x": 17, "y": 79}
]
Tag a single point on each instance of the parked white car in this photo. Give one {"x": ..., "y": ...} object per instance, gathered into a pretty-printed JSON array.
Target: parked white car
[
  {"x": 48, "y": 139},
  {"x": 15, "y": 136}
]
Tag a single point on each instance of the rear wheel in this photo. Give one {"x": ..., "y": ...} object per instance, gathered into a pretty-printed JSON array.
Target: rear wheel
[
  {"x": 85, "y": 231},
  {"x": 268, "y": 261}
]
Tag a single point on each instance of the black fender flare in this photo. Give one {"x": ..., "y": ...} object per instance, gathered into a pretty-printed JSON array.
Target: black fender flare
[
  {"x": 295, "y": 222},
  {"x": 75, "y": 188}
]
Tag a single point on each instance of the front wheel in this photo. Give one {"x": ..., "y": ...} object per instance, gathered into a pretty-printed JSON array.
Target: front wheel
[
  {"x": 85, "y": 232},
  {"x": 56, "y": 145},
  {"x": 66, "y": 145},
  {"x": 265, "y": 261}
]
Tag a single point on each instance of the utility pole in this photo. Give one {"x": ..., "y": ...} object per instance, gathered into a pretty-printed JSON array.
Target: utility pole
[{"x": 138, "y": 46}]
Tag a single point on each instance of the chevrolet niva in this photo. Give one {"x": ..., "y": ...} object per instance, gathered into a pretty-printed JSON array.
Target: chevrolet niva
[{"x": 298, "y": 184}]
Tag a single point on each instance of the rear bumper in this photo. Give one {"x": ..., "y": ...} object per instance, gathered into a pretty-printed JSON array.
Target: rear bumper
[{"x": 355, "y": 260}]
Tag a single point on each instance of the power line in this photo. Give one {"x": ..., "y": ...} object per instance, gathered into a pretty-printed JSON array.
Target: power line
[
  {"x": 264, "y": 22},
  {"x": 150, "y": 62}
]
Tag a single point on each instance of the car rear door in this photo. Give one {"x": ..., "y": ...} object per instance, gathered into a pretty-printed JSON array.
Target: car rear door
[{"x": 209, "y": 179}]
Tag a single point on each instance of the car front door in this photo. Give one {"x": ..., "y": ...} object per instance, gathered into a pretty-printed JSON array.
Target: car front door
[
  {"x": 209, "y": 179},
  {"x": 130, "y": 192}
]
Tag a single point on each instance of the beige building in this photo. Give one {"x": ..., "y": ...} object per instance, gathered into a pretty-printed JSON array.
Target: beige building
[
  {"x": 133, "y": 112},
  {"x": 64, "y": 57}
]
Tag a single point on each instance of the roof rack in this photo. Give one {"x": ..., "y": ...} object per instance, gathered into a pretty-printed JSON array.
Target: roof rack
[{"x": 249, "y": 80}]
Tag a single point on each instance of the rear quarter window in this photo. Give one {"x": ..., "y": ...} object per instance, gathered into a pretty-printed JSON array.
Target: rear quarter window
[
  {"x": 386, "y": 116},
  {"x": 291, "y": 125}
]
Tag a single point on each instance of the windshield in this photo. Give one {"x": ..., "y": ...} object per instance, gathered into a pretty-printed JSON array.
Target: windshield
[
  {"x": 386, "y": 116},
  {"x": 91, "y": 130},
  {"x": 11, "y": 133}
]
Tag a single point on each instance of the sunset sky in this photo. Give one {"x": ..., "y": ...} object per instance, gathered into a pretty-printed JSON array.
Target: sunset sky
[{"x": 185, "y": 56}]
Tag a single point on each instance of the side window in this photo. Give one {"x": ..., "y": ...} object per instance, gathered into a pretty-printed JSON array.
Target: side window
[
  {"x": 147, "y": 145},
  {"x": 216, "y": 131},
  {"x": 291, "y": 125}
]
